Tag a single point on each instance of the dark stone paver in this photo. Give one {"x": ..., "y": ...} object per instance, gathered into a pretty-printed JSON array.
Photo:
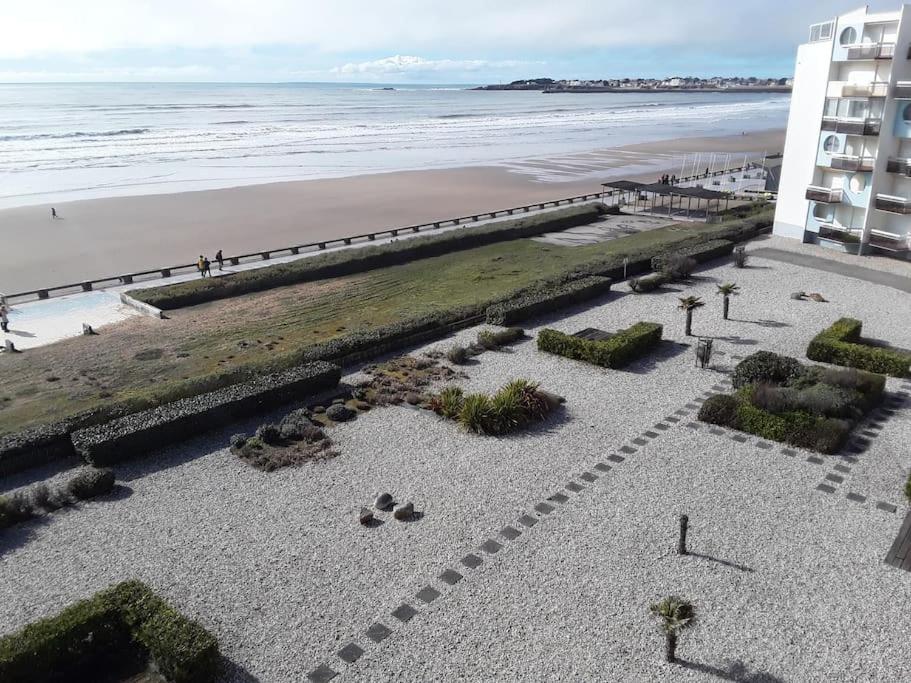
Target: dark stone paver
[
  {"x": 789, "y": 452},
  {"x": 574, "y": 487},
  {"x": 739, "y": 438},
  {"x": 715, "y": 430},
  {"x": 856, "y": 497},
  {"x": 472, "y": 561},
  {"x": 491, "y": 546},
  {"x": 663, "y": 427},
  {"x": 842, "y": 468},
  {"x": 650, "y": 435},
  {"x": 815, "y": 460},
  {"x": 528, "y": 520},
  {"x": 627, "y": 449},
  {"x": 899, "y": 554},
  {"x": 691, "y": 406},
  {"x": 616, "y": 458},
  {"x": 825, "y": 488},
  {"x": 544, "y": 508},
  {"x": 837, "y": 478},
  {"x": 602, "y": 467},
  {"x": 639, "y": 441},
  {"x": 671, "y": 418},
  {"x": 682, "y": 411},
  {"x": 427, "y": 594},
  {"x": 451, "y": 577},
  {"x": 764, "y": 445},
  {"x": 885, "y": 507},
  {"x": 351, "y": 653},
  {"x": 849, "y": 458},
  {"x": 321, "y": 674},
  {"x": 510, "y": 533},
  {"x": 588, "y": 476},
  {"x": 558, "y": 498},
  {"x": 404, "y": 612},
  {"x": 378, "y": 632},
  {"x": 692, "y": 425}
]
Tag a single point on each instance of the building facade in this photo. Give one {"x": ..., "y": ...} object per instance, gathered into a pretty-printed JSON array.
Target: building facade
[{"x": 846, "y": 177}]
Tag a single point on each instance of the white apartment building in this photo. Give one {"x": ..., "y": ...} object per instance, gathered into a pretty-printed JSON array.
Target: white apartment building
[{"x": 846, "y": 175}]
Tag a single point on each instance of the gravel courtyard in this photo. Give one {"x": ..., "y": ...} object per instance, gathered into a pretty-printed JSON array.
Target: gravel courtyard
[{"x": 788, "y": 580}]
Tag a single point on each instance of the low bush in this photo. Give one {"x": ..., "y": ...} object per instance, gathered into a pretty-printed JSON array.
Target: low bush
[
  {"x": 512, "y": 407},
  {"x": 457, "y": 355},
  {"x": 648, "y": 283},
  {"x": 546, "y": 298},
  {"x": 680, "y": 263},
  {"x": 765, "y": 367},
  {"x": 841, "y": 344},
  {"x": 720, "y": 409},
  {"x": 493, "y": 340},
  {"x": 89, "y": 482},
  {"x": 740, "y": 257},
  {"x": 678, "y": 266},
  {"x": 448, "y": 402},
  {"x": 269, "y": 434},
  {"x": 615, "y": 352},
  {"x": 94, "y": 636},
  {"x": 476, "y": 414}
]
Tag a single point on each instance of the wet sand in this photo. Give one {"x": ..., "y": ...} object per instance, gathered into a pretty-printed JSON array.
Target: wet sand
[{"x": 103, "y": 237}]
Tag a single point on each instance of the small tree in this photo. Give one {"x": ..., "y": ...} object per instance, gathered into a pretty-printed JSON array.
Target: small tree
[
  {"x": 728, "y": 290},
  {"x": 676, "y": 614},
  {"x": 690, "y": 304}
]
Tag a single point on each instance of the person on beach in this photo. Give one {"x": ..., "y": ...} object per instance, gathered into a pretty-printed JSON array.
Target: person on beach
[
  {"x": 4, "y": 318},
  {"x": 53, "y": 212},
  {"x": 201, "y": 265},
  {"x": 220, "y": 259},
  {"x": 206, "y": 267}
]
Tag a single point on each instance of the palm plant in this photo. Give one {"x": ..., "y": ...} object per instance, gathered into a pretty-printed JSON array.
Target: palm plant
[
  {"x": 690, "y": 304},
  {"x": 727, "y": 290},
  {"x": 676, "y": 614}
]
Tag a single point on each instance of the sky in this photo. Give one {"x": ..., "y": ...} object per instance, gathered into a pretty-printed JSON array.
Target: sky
[{"x": 402, "y": 41}]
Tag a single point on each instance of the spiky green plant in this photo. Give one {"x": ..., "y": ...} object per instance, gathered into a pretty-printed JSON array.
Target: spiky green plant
[
  {"x": 690, "y": 304},
  {"x": 507, "y": 410},
  {"x": 475, "y": 415},
  {"x": 448, "y": 402},
  {"x": 727, "y": 290},
  {"x": 675, "y": 615}
]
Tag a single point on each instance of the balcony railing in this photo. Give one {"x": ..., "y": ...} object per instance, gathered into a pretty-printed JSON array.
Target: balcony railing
[
  {"x": 889, "y": 241},
  {"x": 902, "y": 90},
  {"x": 826, "y": 195},
  {"x": 875, "y": 89},
  {"x": 892, "y": 204},
  {"x": 900, "y": 166},
  {"x": 872, "y": 51},
  {"x": 846, "y": 162},
  {"x": 852, "y": 126},
  {"x": 839, "y": 233}
]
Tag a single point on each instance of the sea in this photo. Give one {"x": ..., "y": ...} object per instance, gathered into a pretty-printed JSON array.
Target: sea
[{"x": 61, "y": 142}]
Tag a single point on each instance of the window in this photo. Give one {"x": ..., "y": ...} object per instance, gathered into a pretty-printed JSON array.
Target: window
[
  {"x": 823, "y": 213},
  {"x": 832, "y": 144},
  {"x": 848, "y": 37},
  {"x": 858, "y": 183},
  {"x": 820, "y": 32},
  {"x": 906, "y": 113}
]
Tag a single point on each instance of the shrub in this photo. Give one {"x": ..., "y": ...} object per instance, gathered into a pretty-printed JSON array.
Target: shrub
[
  {"x": 97, "y": 634},
  {"x": 773, "y": 399},
  {"x": 648, "y": 283},
  {"x": 841, "y": 344},
  {"x": 269, "y": 434},
  {"x": 545, "y": 298},
  {"x": 720, "y": 409},
  {"x": 476, "y": 412},
  {"x": 615, "y": 352},
  {"x": 506, "y": 410},
  {"x": 830, "y": 401},
  {"x": 678, "y": 266},
  {"x": 238, "y": 440},
  {"x": 15, "y": 508},
  {"x": 89, "y": 482},
  {"x": 765, "y": 366},
  {"x": 740, "y": 257},
  {"x": 457, "y": 355},
  {"x": 296, "y": 426},
  {"x": 448, "y": 402}
]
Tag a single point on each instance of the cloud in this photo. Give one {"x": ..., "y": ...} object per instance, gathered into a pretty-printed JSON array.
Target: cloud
[{"x": 403, "y": 65}]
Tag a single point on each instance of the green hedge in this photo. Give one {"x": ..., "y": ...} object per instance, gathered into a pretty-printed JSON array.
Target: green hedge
[
  {"x": 841, "y": 344},
  {"x": 107, "y": 631},
  {"x": 351, "y": 261},
  {"x": 615, "y": 352},
  {"x": 546, "y": 299},
  {"x": 706, "y": 251}
]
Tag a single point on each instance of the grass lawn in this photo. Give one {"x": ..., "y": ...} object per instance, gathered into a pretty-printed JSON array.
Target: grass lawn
[{"x": 150, "y": 360}]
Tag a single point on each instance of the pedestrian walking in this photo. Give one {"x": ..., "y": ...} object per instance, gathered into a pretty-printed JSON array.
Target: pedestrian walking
[
  {"x": 201, "y": 265},
  {"x": 220, "y": 259},
  {"x": 53, "y": 212},
  {"x": 4, "y": 318},
  {"x": 206, "y": 267}
]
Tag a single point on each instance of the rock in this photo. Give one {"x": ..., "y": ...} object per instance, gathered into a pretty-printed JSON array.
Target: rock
[
  {"x": 383, "y": 501},
  {"x": 87, "y": 330},
  {"x": 553, "y": 400},
  {"x": 339, "y": 412},
  {"x": 402, "y": 512},
  {"x": 412, "y": 398},
  {"x": 798, "y": 296},
  {"x": 338, "y": 401},
  {"x": 362, "y": 405},
  {"x": 366, "y": 516},
  {"x": 319, "y": 409}
]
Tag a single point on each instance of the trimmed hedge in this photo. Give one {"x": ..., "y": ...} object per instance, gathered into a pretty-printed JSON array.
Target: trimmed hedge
[
  {"x": 35, "y": 446},
  {"x": 615, "y": 352},
  {"x": 351, "y": 261},
  {"x": 546, "y": 299},
  {"x": 110, "y": 629},
  {"x": 841, "y": 344},
  {"x": 706, "y": 251},
  {"x": 147, "y": 430}
]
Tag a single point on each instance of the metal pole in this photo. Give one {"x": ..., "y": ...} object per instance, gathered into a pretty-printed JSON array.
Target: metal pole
[{"x": 681, "y": 541}]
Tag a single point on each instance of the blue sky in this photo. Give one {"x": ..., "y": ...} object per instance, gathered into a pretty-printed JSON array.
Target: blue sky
[{"x": 402, "y": 41}]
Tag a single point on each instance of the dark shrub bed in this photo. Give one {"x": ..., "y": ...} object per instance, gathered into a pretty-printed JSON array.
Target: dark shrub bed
[
  {"x": 493, "y": 340},
  {"x": 122, "y": 624},
  {"x": 145, "y": 431},
  {"x": 41, "y": 499},
  {"x": 35, "y": 446},
  {"x": 841, "y": 344},
  {"x": 779, "y": 399},
  {"x": 615, "y": 352},
  {"x": 349, "y": 261},
  {"x": 547, "y": 299},
  {"x": 513, "y": 407}
]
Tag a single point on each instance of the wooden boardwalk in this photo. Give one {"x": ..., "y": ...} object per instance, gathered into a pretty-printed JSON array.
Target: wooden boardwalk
[{"x": 899, "y": 554}]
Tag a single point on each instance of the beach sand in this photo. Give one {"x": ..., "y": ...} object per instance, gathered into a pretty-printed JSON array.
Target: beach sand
[{"x": 104, "y": 237}]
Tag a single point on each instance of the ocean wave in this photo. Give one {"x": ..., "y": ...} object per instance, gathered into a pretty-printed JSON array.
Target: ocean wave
[{"x": 74, "y": 134}]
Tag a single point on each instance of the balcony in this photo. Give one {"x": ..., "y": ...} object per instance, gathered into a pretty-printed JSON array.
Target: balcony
[
  {"x": 865, "y": 90},
  {"x": 902, "y": 90},
  {"x": 892, "y": 204},
  {"x": 839, "y": 233},
  {"x": 899, "y": 166},
  {"x": 847, "y": 162},
  {"x": 872, "y": 51},
  {"x": 889, "y": 241},
  {"x": 835, "y": 124},
  {"x": 826, "y": 195}
]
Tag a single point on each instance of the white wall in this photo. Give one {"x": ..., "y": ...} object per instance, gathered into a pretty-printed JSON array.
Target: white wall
[{"x": 811, "y": 78}]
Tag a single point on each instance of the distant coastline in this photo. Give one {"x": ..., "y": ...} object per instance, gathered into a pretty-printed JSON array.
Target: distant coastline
[
  {"x": 676, "y": 84},
  {"x": 783, "y": 90}
]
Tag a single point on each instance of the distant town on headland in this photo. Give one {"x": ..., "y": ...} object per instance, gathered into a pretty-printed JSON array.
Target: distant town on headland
[{"x": 674, "y": 84}]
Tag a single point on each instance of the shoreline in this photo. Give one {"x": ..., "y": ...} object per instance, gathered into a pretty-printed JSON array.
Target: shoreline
[{"x": 101, "y": 237}]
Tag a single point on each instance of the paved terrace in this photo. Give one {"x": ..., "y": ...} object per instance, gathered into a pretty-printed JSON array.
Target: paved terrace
[{"x": 533, "y": 557}]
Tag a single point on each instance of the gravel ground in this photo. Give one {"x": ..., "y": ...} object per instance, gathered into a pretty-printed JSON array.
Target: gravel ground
[
  {"x": 891, "y": 265},
  {"x": 277, "y": 567}
]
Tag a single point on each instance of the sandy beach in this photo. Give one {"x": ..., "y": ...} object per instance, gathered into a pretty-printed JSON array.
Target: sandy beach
[{"x": 102, "y": 237}]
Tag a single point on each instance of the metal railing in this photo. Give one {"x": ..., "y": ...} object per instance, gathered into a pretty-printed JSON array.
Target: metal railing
[
  {"x": 892, "y": 204},
  {"x": 847, "y": 162},
  {"x": 826, "y": 195},
  {"x": 868, "y": 126},
  {"x": 839, "y": 233},
  {"x": 188, "y": 268},
  {"x": 872, "y": 51},
  {"x": 900, "y": 166},
  {"x": 902, "y": 90},
  {"x": 876, "y": 89}
]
